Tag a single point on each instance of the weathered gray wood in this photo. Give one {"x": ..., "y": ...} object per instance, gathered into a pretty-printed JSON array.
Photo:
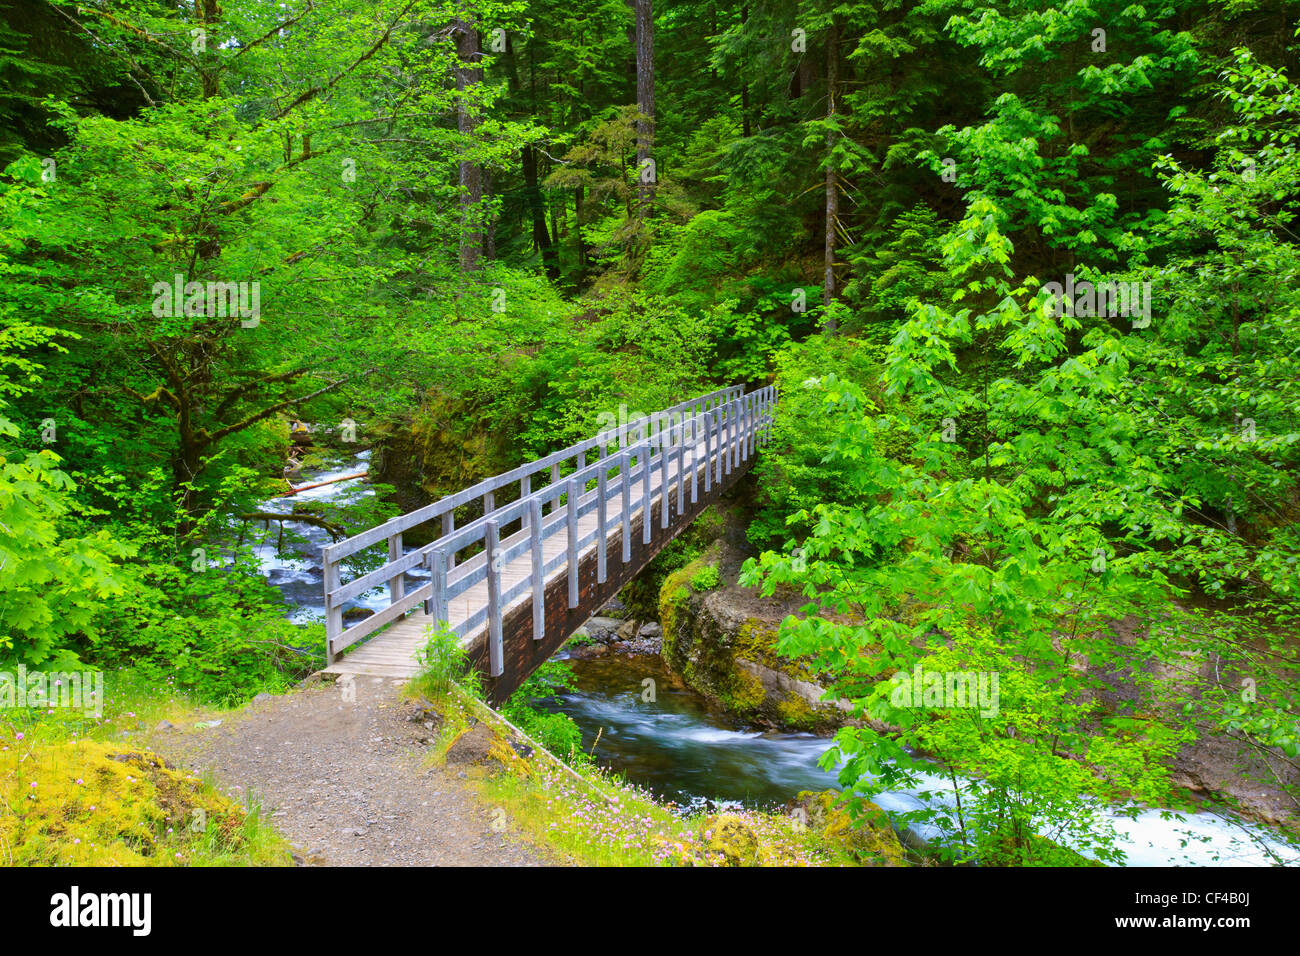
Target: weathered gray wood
[
  {"x": 663, "y": 482},
  {"x": 695, "y": 468},
  {"x": 625, "y": 479},
  {"x": 333, "y": 611},
  {"x": 643, "y": 459},
  {"x": 536, "y": 574},
  {"x": 380, "y": 618},
  {"x": 708, "y": 454},
  {"x": 681, "y": 470},
  {"x": 746, "y": 412},
  {"x": 496, "y": 650},
  {"x": 397, "y": 583},
  {"x": 448, "y": 526},
  {"x": 602, "y": 532},
  {"x": 733, "y": 421},
  {"x": 436, "y": 605},
  {"x": 572, "y": 556}
]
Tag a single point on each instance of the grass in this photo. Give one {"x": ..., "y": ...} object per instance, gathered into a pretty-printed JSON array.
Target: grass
[{"x": 77, "y": 789}]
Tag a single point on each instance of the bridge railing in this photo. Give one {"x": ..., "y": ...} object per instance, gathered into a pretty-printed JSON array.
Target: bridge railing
[{"x": 720, "y": 428}]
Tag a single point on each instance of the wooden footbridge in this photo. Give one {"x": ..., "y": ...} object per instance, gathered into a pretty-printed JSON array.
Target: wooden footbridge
[{"x": 515, "y": 582}]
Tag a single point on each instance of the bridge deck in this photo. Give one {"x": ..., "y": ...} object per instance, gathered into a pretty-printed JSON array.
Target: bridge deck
[{"x": 720, "y": 445}]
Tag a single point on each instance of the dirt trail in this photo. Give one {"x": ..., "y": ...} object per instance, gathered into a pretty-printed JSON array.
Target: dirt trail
[{"x": 341, "y": 780}]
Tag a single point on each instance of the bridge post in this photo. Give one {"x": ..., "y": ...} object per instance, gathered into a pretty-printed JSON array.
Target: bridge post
[
  {"x": 747, "y": 412},
  {"x": 448, "y": 526},
  {"x": 435, "y": 560},
  {"x": 525, "y": 489},
  {"x": 538, "y": 573},
  {"x": 491, "y": 541},
  {"x": 681, "y": 468},
  {"x": 695, "y": 464},
  {"x": 643, "y": 458},
  {"x": 601, "y": 532},
  {"x": 730, "y": 419},
  {"x": 738, "y": 434},
  {"x": 333, "y": 612},
  {"x": 708, "y": 451},
  {"x": 663, "y": 481},
  {"x": 572, "y": 556},
  {"x": 625, "y": 475},
  {"x": 397, "y": 583}
]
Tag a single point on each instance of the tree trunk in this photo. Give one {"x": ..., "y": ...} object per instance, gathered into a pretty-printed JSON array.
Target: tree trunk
[
  {"x": 832, "y": 187},
  {"x": 645, "y": 105},
  {"x": 471, "y": 174},
  {"x": 744, "y": 84}
]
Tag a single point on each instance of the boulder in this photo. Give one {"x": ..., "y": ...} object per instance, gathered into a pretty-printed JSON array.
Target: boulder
[
  {"x": 603, "y": 629},
  {"x": 858, "y": 825},
  {"x": 722, "y": 642}
]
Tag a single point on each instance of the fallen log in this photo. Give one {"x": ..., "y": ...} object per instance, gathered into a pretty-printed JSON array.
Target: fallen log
[
  {"x": 320, "y": 484},
  {"x": 335, "y": 531}
]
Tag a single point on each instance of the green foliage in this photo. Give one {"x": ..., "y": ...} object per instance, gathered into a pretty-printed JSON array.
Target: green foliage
[
  {"x": 795, "y": 472},
  {"x": 51, "y": 582},
  {"x": 706, "y": 578},
  {"x": 444, "y": 663},
  {"x": 1047, "y": 492},
  {"x": 555, "y": 731}
]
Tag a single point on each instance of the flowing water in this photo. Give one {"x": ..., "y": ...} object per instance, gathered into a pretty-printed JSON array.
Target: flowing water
[{"x": 686, "y": 751}]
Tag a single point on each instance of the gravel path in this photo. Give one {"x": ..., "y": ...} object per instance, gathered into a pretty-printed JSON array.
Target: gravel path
[{"x": 341, "y": 780}]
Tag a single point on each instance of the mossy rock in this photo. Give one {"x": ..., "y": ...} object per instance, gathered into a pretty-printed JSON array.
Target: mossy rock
[
  {"x": 862, "y": 829},
  {"x": 712, "y": 649},
  {"x": 642, "y": 595},
  {"x": 87, "y": 803},
  {"x": 724, "y": 839}
]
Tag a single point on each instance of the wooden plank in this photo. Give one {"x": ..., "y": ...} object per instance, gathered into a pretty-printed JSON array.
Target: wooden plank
[
  {"x": 493, "y": 600},
  {"x": 333, "y": 611},
  {"x": 397, "y": 583},
  {"x": 448, "y": 526},
  {"x": 571, "y": 506},
  {"x": 535, "y": 574},
  {"x": 695, "y": 491},
  {"x": 663, "y": 482},
  {"x": 436, "y": 606},
  {"x": 708, "y": 454},
  {"x": 681, "y": 471},
  {"x": 643, "y": 459},
  {"x": 602, "y": 530},
  {"x": 625, "y": 478}
]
